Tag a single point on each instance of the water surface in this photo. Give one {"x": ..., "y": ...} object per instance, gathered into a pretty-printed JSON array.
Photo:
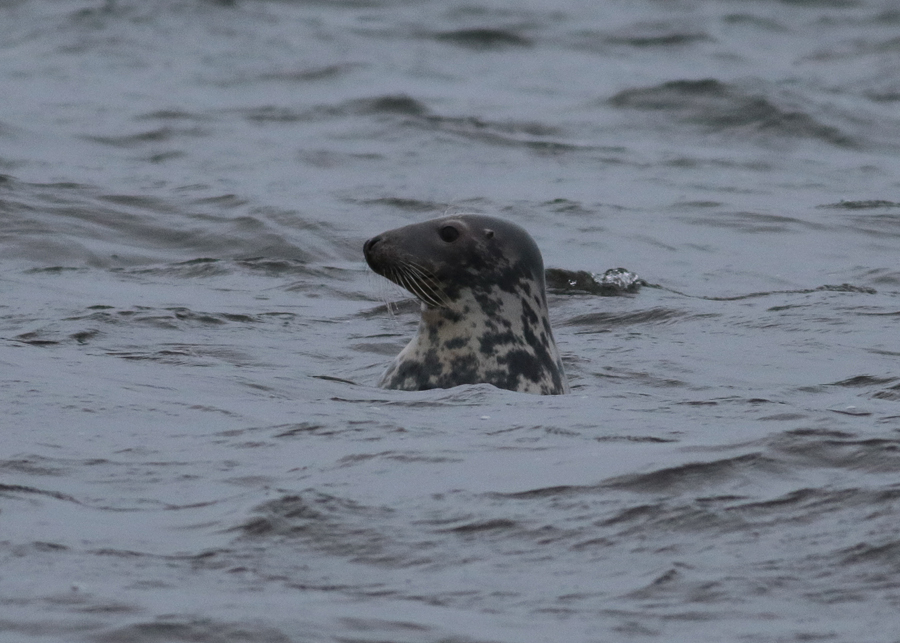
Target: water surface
[{"x": 193, "y": 448}]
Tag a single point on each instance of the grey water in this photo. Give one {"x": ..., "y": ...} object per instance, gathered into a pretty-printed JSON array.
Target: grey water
[{"x": 192, "y": 447}]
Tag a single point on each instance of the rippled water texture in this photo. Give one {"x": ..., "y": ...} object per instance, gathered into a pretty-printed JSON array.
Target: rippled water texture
[{"x": 192, "y": 446}]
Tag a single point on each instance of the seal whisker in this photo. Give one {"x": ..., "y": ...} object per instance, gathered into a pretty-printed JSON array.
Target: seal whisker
[
  {"x": 437, "y": 299},
  {"x": 428, "y": 281},
  {"x": 384, "y": 288},
  {"x": 402, "y": 277},
  {"x": 415, "y": 285},
  {"x": 431, "y": 282},
  {"x": 390, "y": 302},
  {"x": 398, "y": 276}
]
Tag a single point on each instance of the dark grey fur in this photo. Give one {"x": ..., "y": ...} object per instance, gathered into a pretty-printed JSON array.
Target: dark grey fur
[{"x": 484, "y": 306}]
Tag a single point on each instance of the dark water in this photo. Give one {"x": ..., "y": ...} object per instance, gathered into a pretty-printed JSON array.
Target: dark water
[{"x": 192, "y": 448}]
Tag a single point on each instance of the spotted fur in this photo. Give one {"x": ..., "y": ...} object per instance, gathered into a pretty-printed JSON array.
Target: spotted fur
[{"x": 484, "y": 306}]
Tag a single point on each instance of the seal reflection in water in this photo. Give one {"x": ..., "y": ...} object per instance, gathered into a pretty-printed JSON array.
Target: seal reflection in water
[{"x": 484, "y": 306}]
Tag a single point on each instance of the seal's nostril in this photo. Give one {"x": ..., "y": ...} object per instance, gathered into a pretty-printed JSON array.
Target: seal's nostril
[{"x": 368, "y": 245}]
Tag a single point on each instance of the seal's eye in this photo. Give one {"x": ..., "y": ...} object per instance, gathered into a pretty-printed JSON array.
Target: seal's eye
[{"x": 448, "y": 233}]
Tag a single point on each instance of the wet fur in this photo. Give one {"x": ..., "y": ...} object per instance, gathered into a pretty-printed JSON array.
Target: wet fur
[{"x": 484, "y": 306}]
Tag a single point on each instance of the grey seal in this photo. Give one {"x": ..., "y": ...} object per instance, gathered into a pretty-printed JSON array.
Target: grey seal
[{"x": 484, "y": 306}]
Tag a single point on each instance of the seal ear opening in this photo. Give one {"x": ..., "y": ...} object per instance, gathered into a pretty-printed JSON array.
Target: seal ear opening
[{"x": 489, "y": 234}]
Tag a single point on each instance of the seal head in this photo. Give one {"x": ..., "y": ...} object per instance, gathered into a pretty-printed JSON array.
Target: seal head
[{"x": 484, "y": 306}]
